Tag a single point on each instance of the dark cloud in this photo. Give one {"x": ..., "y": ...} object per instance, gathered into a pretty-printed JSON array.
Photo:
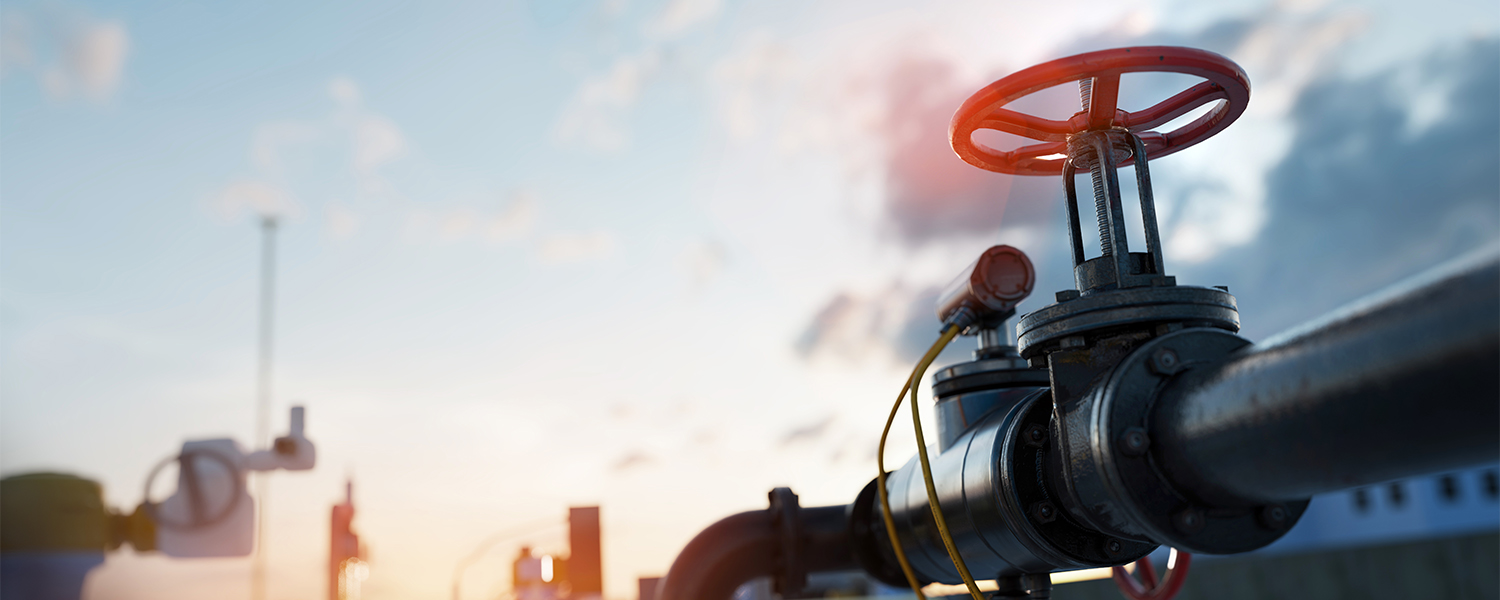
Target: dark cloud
[
  {"x": 903, "y": 319},
  {"x": 1361, "y": 201},
  {"x": 836, "y": 311},
  {"x": 807, "y": 433},
  {"x": 900, "y": 319},
  {"x": 930, "y": 193}
]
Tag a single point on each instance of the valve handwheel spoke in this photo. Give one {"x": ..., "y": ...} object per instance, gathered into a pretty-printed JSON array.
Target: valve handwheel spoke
[
  {"x": 1148, "y": 587},
  {"x": 1224, "y": 83}
]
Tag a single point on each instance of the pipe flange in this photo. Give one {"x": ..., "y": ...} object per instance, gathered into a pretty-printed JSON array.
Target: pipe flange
[
  {"x": 1069, "y": 323},
  {"x": 871, "y": 543},
  {"x": 1026, "y": 466},
  {"x": 1128, "y": 469},
  {"x": 987, "y": 374}
]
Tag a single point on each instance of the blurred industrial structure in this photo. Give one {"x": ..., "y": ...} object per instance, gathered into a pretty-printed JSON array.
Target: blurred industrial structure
[{"x": 346, "y": 556}]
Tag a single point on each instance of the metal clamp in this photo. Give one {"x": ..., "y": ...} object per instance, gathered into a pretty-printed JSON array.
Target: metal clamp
[{"x": 791, "y": 573}]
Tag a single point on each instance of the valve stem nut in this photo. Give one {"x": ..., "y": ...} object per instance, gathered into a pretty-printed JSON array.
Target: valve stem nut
[
  {"x": 1044, "y": 512},
  {"x": 1134, "y": 442}
]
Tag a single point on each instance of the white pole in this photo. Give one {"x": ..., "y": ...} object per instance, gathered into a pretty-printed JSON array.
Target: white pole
[{"x": 263, "y": 402}]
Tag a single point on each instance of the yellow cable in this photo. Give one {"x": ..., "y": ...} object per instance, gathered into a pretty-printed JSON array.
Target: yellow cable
[
  {"x": 932, "y": 500},
  {"x": 885, "y": 501}
]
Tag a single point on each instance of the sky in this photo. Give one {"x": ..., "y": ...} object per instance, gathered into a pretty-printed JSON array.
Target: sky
[{"x": 658, "y": 256}]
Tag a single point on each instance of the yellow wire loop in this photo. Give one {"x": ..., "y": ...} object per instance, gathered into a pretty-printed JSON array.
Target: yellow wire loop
[
  {"x": 914, "y": 384},
  {"x": 885, "y": 500},
  {"x": 932, "y": 499}
]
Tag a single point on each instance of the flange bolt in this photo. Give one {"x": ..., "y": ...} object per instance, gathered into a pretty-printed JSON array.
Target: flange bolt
[
  {"x": 1044, "y": 512},
  {"x": 1134, "y": 441},
  {"x": 1165, "y": 362},
  {"x": 1188, "y": 521},
  {"x": 1035, "y": 435},
  {"x": 1273, "y": 517}
]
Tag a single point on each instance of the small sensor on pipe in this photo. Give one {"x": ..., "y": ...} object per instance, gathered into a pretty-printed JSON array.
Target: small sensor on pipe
[{"x": 989, "y": 290}]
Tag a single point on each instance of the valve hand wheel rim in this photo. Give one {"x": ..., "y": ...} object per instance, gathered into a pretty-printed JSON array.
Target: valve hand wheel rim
[{"x": 1223, "y": 80}]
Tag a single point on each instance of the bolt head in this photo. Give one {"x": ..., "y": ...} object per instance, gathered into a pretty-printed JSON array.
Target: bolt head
[
  {"x": 1044, "y": 512},
  {"x": 1035, "y": 435},
  {"x": 1066, "y": 295},
  {"x": 1188, "y": 520},
  {"x": 1274, "y": 517},
  {"x": 1165, "y": 361},
  {"x": 1134, "y": 442},
  {"x": 1114, "y": 547}
]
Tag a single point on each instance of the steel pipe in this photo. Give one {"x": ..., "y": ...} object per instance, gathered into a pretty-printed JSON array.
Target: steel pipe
[
  {"x": 1400, "y": 384},
  {"x": 744, "y": 546}
]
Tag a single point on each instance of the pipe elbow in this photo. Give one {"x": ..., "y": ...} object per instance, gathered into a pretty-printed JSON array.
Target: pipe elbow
[{"x": 727, "y": 554}]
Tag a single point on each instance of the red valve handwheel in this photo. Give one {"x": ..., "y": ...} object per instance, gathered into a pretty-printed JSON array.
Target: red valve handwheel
[
  {"x": 985, "y": 109},
  {"x": 1149, "y": 587}
]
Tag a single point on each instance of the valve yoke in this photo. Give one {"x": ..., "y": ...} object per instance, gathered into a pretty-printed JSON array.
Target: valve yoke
[{"x": 1119, "y": 291}]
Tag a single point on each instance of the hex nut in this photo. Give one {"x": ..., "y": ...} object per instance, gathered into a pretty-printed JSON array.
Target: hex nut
[
  {"x": 1044, "y": 512},
  {"x": 1035, "y": 435}
]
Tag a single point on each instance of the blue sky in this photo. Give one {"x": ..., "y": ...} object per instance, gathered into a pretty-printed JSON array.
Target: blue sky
[{"x": 660, "y": 256}]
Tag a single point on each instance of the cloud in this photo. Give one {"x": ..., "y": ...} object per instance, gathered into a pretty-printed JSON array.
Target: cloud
[
  {"x": 743, "y": 81},
  {"x": 930, "y": 194},
  {"x": 634, "y": 459},
  {"x": 344, "y": 91},
  {"x": 467, "y": 219},
  {"x": 680, "y": 16},
  {"x": 16, "y": 40},
  {"x": 272, "y": 140},
  {"x": 807, "y": 433},
  {"x": 70, "y": 52},
  {"x": 342, "y": 222},
  {"x": 516, "y": 220},
  {"x": 597, "y": 114},
  {"x": 895, "y": 324},
  {"x": 256, "y": 197},
  {"x": 351, "y": 143},
  {"x": 457, "y": 224},
  {"x": 567, "y": 248},
  {"x": 703, "y": 261},
  {"x": 1360, "y": 199},
  {"x": 377, "y": 141}
]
